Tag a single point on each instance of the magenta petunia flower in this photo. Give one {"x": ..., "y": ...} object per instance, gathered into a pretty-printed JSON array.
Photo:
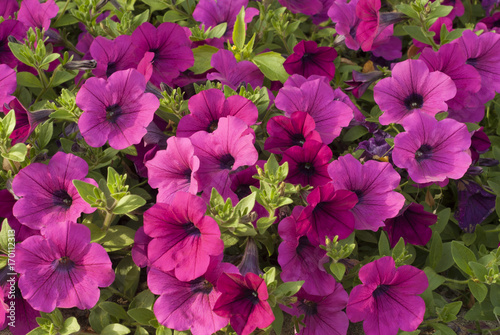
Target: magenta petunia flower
[
  {"x": 339, "y": 95},
  {"x": 308, "y": 59},
  {"x": 26, "y": 121},
  {"x": 307, "y": 165},
  {"x": 188, "y": 305},
  {"x": 234, "y": 74},
  {"x": 37, "y": 15},
  {"x": 286, "y": 132},
  {"x": 7, "y": 202},
  {"x": 361, "y": 81},
  {"x": 171, "y": 48},
  {"x": 113, "y": 55},
  {"x": 323, "y": 313},
  {"x": 368, "y": 13},
  {"x": 412, "y": 224},
  {"x": 432, "y": 150},
  {"x": 10, "y": 28},
  {"x": 343, "y": 14},
  {"x": 174, "y": 170},
  {"x": 139, "y": 251},
  {"x": 23, "y": 309},
  {"x": 387, "y": 300},
  {"x": 47, "y": 194},
  {"x": 300, "y": 259},
  {"x": 222, "y": 153},
  {"x": 315, "y": 97},
  {"x": 305, "y": 7},
  {"x": 183, "y": 237},
  {"x": 9, "y": 8},
  {"x": 62, "y": 268},
  {"x": 8, "y": 84},
  {"x": 328, "y": 214},
  {"x": 244, "y": 301},
  {"x": 374, "y": 183},
  {"x": 208, "y": 106},
  {"x": 412, "y": 88},
  {"x": 116, "y": 109}
]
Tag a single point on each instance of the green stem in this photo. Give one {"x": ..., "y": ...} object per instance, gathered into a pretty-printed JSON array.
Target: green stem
[
  {"x": 107, "y": 220},
  {"x": 62, "y": 13},
  {"x": 456, "y": 281}
]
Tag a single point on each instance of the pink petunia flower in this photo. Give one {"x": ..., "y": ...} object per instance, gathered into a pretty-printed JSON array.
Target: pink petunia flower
[
  {"x": 37, "y": 15},
  {"x": 113, "y": 55},
  {"x": 8, "y": 84},
  {"x": 387, "y": 300},
  {"x": 62, "y": 268}
]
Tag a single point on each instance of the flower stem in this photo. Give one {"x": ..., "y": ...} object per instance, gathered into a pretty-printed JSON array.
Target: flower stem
[{"x": 107, "y": 220}]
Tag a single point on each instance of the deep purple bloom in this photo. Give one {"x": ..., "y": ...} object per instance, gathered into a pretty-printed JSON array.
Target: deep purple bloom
[
  {"x": 171, "y": 48},
  {"x": 113, "y": 55},
  {"x": 307, "y": 164},
  {"x": 188, "y": 305},
  {"x": 323, "y": 313},
  {"x": 174, "y": 170},
  {"x": 376, "y": 147},
  {"x": 361, "y": 81},
  {"x": 23, "y": 310},
  {"x": 286, "y": 132},
  {"x": 328, "y": 214},
  {"x": 26, "y": 121},
  {"x": 374, "y": 183},
  {"x": 8, "y": 84},
  {"x": 474, "y": 204},
  {"x": 222, "y": 153},
  {"x": 300, "y": 259},
  {"x": 183, "y": 237},
  {"x": 37, "y": 15},
  {"x": 116, "y": 109},
  {"x": 10, "y": 28},
  {"x": 47, "y": 193},
  {"x": 412, "y": 88},
  {"x": 412, "y": 224},
  {"x": 208, "y": 106},
  {"x": 62, "y": 268},
  {"x": 308, "y": 59},
  {"x": 9, "y": 8},
  {"x": 387, "y": 300},
  {"x": 432, "y": 150},
  {"x": 480, "y": 143},
  {"x": 315, "y": 97},
  {"x": 244, "y": 301},
  {"x": 234, "y": 74}
]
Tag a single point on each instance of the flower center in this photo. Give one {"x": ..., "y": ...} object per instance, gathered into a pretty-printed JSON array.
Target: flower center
[
  {"x": 471, "y": 61},
  {"x": 242, "y": 191},
  {"x": 306, "y": 168},
  {"x": 64, "y": 264},
  {"x": 61, "y": 198},
  {"x": 298, "y": 139},
  {"x": 303, "y": 243},
  {"x": 253, "y": 296},
  {"x": 414, "y": 101},
  {"x": 191, "y": 229},
  {"x": 309, "y": 307},
  {"x": 187, "y": 174},
  {"x": 424, "y": 152},
  {"x": 307, "y": 57},
  {"x": 201, "y": 285},
  {"x": 226, "y": 162},
  {"x": 111, "y": 69},
  {"x": 380, "y": 290},
  {"x": 113, "y": 112},
  {"x": 213, "y": 126}
]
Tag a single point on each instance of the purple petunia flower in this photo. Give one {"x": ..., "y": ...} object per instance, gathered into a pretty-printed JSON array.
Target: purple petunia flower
[
  {"x": 432, "y": 150},
  {"x": 234, "y": 74},
  {"x": 116, "y": 109},
  {"x": 308, "y": 164},
  {"x": 139, "y": 251},
  {"x": 113, "y": 55},
  {"x": 412, "y": 88},
  {"x": 286, "y": 132},
  {"x": 244, "y": 301},
  {"x": 47, "y": 194},
  {"x": 315, "y": 97},
  {"x": 361, "y": 81},
  {"x": 10, "y": 28},
  {"x": 174, "y": 170},
  {"x": 9, "y": 8},
  {"x": 387, "y": 300},
  {"x": 26, "y": 121},
  {"x": 188, "y": 305},
  {"x": 374, "y": 183},
  {"x": 308, "y": 59},
  {"x": 171, "y": 48},
  {"x": 323, "y": 313},
  {"x": 305, "y": 7},
  {"x": 475, "y": 204},
  {"x": 412, "y": 224},
  {"x": 62, "y": 268},
  {"x": 183, "y": 237},
  {"x": 300, "y": 259},
  {"x": 8, "y": 84},
  {"x": 7, "y": 202},
  {"x": 37, "y": 15},
  {"x": 208, "y": 106}
]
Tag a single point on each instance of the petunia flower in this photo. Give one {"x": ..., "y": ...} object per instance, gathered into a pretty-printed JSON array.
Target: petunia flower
[
  {"x": 15, "y": 29},
  {"x": 116, "y": 109},
  {"x": 244, "y": 301},
  {"x": 412, "y": 88},
  {"x": 47, "y": 194},
  {"x": 139, "y": 250},
  {"x": 183, "y": 237},
  {"x": 309, "y": 59},
  {"x": 374, "y": 183},
  {"x": 412, "y": 224},
  {"x": 113, "y": 55},
  {"x": 8, "y": 84},
  {"x": 432, "y": 150},
  {"x": 361, "y": 81},
  {"x": 26, "y": 121},
  {"x": 23, "y": 309},
  {"x": 305, "y": 7},
  {"x": 7, "y": 202},
  {"x": 37, "y": 15},
  {"x": 9, "y": 8},
  {"x": 62, "y": 268},
  {"x": 188, "y": 305},
  {"x": 387, "y": 298},
  {"x": 475, "y": 204}
]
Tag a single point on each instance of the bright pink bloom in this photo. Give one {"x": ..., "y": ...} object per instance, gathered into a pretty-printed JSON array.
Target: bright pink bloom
[
  {"x": 113, "y": 55},
  {"x": 387, "y": 300},
  {"x": 233, "y": 73},
  {"x": 37, "y": 15}
]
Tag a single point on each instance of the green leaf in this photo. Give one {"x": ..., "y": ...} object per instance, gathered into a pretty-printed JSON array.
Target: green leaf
[
  {"x": 354, "y": 133},
  {"x": 139, "y": 19},
  {"x": 449, "y": 312},
  {"x": 271, "y": 166},
  {"x": 127, "y": 276},
  {"x": 239, "y": 31},
  {"x": 17, "y": 153},
  {"x": 8, "y": 124},
  {"x": 269, "y": 275},
  {"x": 408, "y": 10},
  {"x": 218, "y": 31},
  {"x": 462, "y": 256},
  {"x": 114, "y": 309},
  {"x": 399, "y": 248},
  {"x": 142, "y": 315},
  {"x": 440, "y": 11},
  {"x": 145, "y": 299},
  {"x": 442, "y": 221},
  {"x": 19, "y": 51},
  {"x": 338, "y": 270},
  {"x": 436, "y": 251},
  {"x": 140, "y": 331},
  {"x": 173, "y": 16},
  {"x": 155, "y": 5},
  {"x": 49, "y": 59},
  {"x": 96, "y": 233},
  {"x": 245, "y": 205},
  {"x": 45, "y": 132},
  {"x": 117, "y": 237},
  {"x": 444, "y": 329},
  {"x": 278, "y": 319},
  {"x": 383, "y": 245},
  {"x": 38, "y": 331},
  {"x": 86, "y": 191},
  {"x": 162, "y": 330},
  {"x": 6, "y": 235},
  {"x": 264, "y": 223},
  {"x": 128, "y": 203},
  {"x": 27, "y": 79},
  {"x": 479, "y": 270},
  {"x": 115, "y": 329},
  {"x": 479, "y": 290},
  {"x": 454, "y": 34},
  {"x": 99, "y": 319},
  {"x": 446, "y": 260},
  {"x": 62, "y": 77},
  {"x": 288, "y": 289},
  {"x": 202, "y": 58},
  {"x": 271, "y": 64},
  {"x": 63, "y": 115},
  {"x": 495, "y": 294},
  {"x": 434, "y": 279},
  {"x": 416, "y": 33},
  {"x": 70, "y": 326}
]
